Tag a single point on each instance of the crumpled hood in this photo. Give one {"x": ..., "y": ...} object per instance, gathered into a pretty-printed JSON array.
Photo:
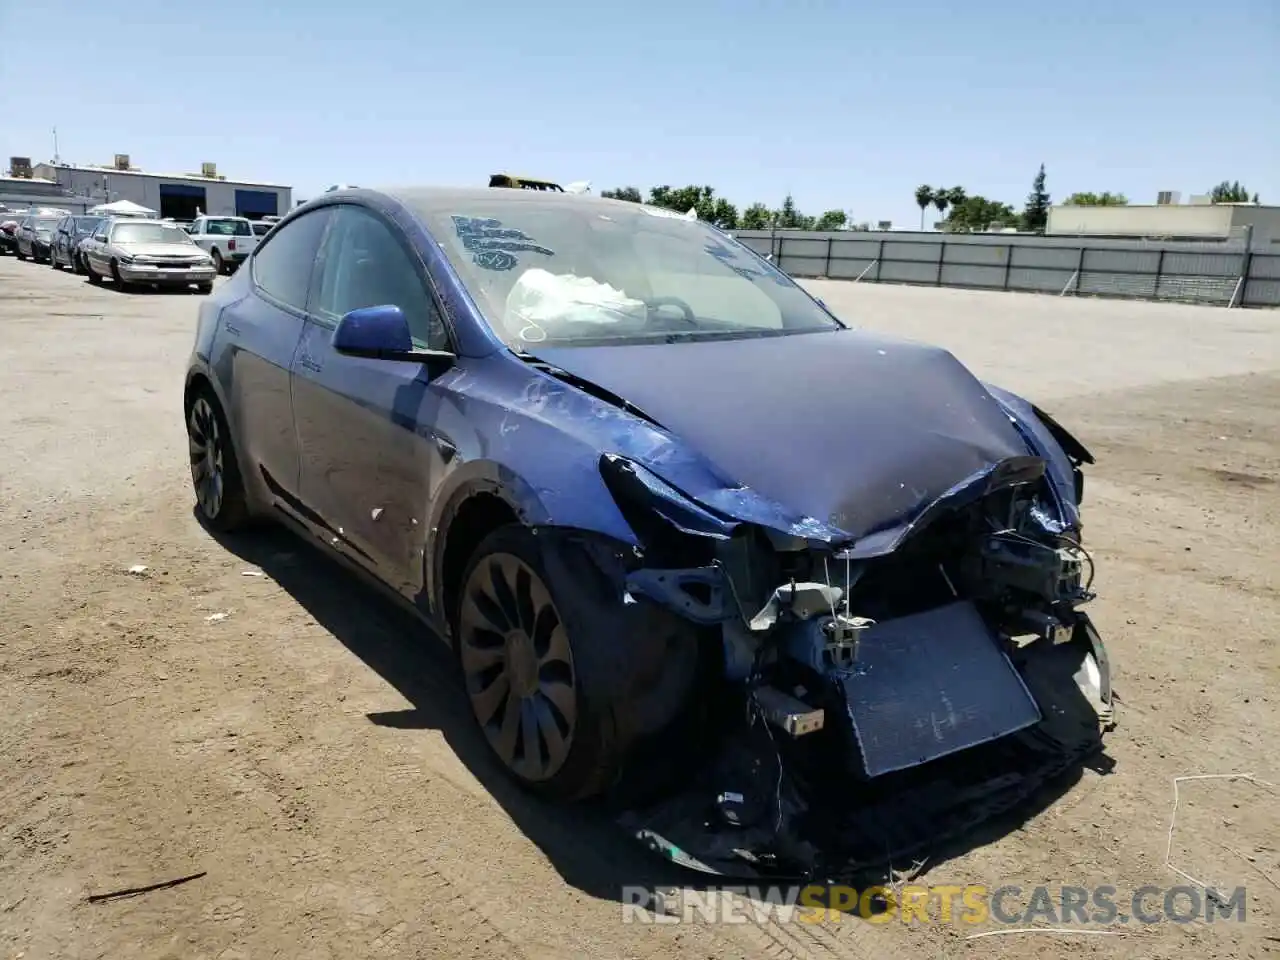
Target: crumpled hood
[{"x": 855, "y": 430}]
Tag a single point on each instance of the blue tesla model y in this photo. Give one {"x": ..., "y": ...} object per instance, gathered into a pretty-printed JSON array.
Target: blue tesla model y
[{"x": 766, "y": 580}]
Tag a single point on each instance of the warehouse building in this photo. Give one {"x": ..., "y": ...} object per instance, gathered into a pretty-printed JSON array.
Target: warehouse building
[
  {"x": 183, "y": 196},
  {"x": 1167, "y": 219}
]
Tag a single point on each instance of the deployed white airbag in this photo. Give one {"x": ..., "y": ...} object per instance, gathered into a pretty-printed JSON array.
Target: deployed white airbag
[{"x": 542, "y": 303}]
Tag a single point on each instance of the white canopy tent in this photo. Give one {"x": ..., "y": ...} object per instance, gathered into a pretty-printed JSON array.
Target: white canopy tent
[{"x": 123, "y": 208}]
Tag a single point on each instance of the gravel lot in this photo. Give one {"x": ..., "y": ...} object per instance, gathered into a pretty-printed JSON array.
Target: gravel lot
[{"x": 307, "y": 752}]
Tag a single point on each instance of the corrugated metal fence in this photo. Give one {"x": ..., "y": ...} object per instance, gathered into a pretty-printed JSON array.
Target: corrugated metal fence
[{"x": 1221, "y": 274}]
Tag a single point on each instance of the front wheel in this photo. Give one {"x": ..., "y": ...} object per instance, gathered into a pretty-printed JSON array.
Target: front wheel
[
  {"x": 563, "y": 682},
  {"x": 20, "y": 255},
  {"x": 205, "y": 287},
  {"x": 77, "y": 263},
  {"x": 53, "y": 259},
  {"x": 119, "y": 281},
  {"x": 94, "y": 277},
  {"x": 215, "y": 472}
]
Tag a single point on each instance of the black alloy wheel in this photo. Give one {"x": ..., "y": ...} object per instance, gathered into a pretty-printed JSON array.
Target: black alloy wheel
[
  {"x": 518, "y": 665},
  {"x": 215, "y": 475}
]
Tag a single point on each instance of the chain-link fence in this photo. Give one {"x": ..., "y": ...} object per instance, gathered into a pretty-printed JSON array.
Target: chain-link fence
[{"x": 1221, "y": 274}]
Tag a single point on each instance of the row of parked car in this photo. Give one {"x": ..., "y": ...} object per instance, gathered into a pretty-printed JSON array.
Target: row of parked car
[{"x": 132, "y": 251}]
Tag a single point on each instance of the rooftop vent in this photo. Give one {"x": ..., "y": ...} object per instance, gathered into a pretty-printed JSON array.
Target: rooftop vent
[
  {"x": 122, "y": 162},
  {"x": 209, "y": 170},
  {"x": 20, "y": 167},
  {"x": 1168, "y": 198}
]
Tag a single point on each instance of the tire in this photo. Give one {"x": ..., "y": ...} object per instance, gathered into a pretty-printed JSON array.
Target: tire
[
  {"x": 548, "y": 650},
  {"x": 94, "y": 277},
  {"x": 219, "y": 268},
  {"x": 119, "y": 281},
  {"x": 204, "y": 287},
  {"x": 19, "y": 254},
  {"x": 53, "y": 259},
  {"x": 77, "y": 264},
  {"x": 215, "y": 472}
]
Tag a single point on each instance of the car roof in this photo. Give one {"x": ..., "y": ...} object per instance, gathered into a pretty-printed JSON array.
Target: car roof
[{"x": 446, "y": 200}]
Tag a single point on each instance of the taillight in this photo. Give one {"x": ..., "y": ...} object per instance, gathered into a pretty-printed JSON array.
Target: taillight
[{"x": 231, "y": 244}]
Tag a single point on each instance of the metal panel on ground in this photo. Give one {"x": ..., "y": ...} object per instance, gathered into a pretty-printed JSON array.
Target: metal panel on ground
[{"x": 930, "y": 685}]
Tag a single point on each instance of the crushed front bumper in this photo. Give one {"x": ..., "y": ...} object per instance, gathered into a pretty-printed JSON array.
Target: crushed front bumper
[{"x": 771, "y": 806}]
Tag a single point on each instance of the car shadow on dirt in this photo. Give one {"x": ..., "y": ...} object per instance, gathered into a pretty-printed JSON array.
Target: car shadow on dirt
[{"x": 586, "y": 847}]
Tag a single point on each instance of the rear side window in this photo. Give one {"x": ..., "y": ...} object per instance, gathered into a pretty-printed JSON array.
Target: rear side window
[
  {"x": 282, "y": 264},
  {"x": 228, "y": 228}
]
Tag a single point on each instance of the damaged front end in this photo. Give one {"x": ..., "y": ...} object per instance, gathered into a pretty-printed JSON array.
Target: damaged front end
[{"x": 877, "y": 701}]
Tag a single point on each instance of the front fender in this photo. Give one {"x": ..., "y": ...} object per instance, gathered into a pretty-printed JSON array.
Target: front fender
[{"x": 1047, "y": 438}]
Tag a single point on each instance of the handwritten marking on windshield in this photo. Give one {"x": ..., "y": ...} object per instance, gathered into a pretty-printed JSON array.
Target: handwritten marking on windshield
[{"x": 493, "y": 246}]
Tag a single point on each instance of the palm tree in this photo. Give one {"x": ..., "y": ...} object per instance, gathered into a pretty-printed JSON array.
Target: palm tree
[
  {"x": 924, "y": 197},
  {"x": 942, "y": 200}
]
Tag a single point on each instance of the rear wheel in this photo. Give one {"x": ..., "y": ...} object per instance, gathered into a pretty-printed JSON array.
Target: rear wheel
[
  {"x": 215, "y": 472},
  {"x": 218, "y": 267}
]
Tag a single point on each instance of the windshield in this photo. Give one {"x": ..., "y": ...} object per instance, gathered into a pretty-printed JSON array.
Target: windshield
[
  {"x": 148, "y": 233},
  {"x": 45, "y": 223},
  {"x": 87, "y": 224},
  {"x": 229, "y": 228},
  {"x": 584, "y": 274}
]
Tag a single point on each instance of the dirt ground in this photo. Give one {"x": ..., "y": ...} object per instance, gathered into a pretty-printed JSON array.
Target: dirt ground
[{"x": 294, "y": 741}]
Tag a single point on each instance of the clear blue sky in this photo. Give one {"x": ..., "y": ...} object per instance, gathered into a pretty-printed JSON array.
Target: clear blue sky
[{"x": 844, "y": 104}]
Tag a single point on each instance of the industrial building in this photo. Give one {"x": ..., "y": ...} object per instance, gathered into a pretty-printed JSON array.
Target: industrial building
[
  {"x": 182, "y": 196},
  {"x": 1200, "y": 220}
]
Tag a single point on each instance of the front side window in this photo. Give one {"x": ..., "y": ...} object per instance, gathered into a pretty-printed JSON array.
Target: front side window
[
  {"x": 364, "y": 264},
  {"x": 282, "y": 264},
  {"x": 543, "y": 269}
]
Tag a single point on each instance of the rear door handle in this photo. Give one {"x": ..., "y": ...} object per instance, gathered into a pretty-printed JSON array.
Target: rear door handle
[{"x": 308, "y": 364}]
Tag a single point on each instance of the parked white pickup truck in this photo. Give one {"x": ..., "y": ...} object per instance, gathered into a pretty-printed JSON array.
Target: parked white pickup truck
[{"x": 229, "y": 240}]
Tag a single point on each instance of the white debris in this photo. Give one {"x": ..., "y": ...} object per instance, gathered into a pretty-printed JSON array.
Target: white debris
[
  {"x": 252, "y": 573},
  {"x": 215, "y": 617},
  {"x": 138, "y": 569}
]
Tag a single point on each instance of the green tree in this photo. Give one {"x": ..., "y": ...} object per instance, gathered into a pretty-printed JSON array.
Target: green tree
[
  {"x": 977, "y": 213},
  {"x": 956, "y": 196},
  {"x": 1036, "y": 213},
  {"x": 630, "y": 194},
  {"x": 1097, "y": 200},
  {"x": 703, "y": 200},
  {"x": 789, "y": 218},
  {"x": 1231, "y": 192},
  {"x": 832, "y": 220},
  {"x": 924, "y": 197},
  {"x": 756, "y": 217}
]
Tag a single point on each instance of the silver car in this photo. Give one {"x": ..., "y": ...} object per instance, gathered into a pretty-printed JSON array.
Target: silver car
[{"x": 133, "y": 251}]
